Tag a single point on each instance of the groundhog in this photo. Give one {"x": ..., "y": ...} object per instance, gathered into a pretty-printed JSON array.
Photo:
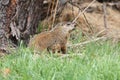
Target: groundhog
[{"x": 54, "y": 40}]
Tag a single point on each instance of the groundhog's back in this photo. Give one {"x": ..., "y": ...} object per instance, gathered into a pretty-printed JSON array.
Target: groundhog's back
[{"x": 41, "y": 41}]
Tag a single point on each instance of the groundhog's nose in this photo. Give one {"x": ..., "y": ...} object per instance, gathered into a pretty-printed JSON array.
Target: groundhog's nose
[{"x": 74, "y": 24}]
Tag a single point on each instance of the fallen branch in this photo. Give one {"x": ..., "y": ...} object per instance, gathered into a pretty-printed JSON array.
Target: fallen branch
[
  {"x": 70, "y": 55},
  {"x": 86, "y": 42}
]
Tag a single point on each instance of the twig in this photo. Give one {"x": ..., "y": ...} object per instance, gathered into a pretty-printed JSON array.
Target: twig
[
  {"x": 55, "y": 12},
  {"x": 86, "y": 42},
  {"x": 88, "y": 24},
  {"x": 105, "y": 14},
  {"x": 83, "y": 11},
  {"x": 100, "y": 32}
]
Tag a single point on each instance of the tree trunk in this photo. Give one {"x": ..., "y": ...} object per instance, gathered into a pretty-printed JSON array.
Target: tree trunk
[{"x": 18, "y": 20}]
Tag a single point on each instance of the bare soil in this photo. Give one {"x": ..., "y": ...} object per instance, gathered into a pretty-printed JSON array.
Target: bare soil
[{"x": 92, "y": 21}]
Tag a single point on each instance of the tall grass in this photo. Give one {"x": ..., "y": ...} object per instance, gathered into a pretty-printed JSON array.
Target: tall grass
[{"x": 97, "y": 62}]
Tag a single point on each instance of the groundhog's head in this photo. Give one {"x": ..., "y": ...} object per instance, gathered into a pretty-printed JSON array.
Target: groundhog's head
[
  {"x": 69, "y": 26},
  {"x": 66, "y": 26}
]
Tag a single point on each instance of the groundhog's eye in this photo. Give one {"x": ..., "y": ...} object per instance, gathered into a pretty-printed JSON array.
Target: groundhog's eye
[{"x": 68, "y": 24}]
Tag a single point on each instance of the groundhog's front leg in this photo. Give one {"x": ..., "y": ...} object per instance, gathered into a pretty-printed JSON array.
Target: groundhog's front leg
[{"x": 63, "y": 49}]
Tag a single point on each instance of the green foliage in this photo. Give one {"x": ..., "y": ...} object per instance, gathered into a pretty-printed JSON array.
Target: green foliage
[
  {"x": 98, "y": 61},
  {"x": 41, "y": 28}
]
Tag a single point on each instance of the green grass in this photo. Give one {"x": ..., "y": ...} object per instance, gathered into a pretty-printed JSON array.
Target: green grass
[{"x": 98, "y": 61}]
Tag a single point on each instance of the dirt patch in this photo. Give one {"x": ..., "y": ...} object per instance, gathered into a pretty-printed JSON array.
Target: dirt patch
[{"x": 92, "y": 21}]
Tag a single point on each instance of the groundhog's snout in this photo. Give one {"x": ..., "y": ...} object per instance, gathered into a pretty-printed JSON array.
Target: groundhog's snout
[
  {"x": 70, "y": 24},
  {"x": 74, "y": 25}
]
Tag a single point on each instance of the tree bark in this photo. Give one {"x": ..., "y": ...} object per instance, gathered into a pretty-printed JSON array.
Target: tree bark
[{"x": 18, "y": 20}]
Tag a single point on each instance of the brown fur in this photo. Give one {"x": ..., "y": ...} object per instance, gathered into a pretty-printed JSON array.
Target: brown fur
[
  {"x": 56, "y": 48},
  {"x": 54, "y": 39}
]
